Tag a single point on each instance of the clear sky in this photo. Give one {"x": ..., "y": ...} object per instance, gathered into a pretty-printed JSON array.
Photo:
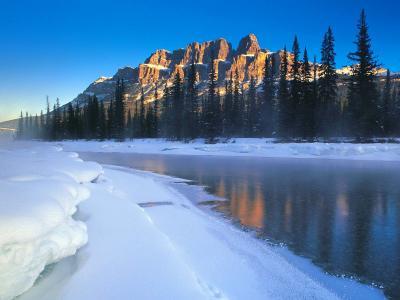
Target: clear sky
[{"x": 59, "y": 47}]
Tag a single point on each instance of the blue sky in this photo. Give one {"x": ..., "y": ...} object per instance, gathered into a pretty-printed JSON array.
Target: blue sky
[{"x": 58, "y": 48}]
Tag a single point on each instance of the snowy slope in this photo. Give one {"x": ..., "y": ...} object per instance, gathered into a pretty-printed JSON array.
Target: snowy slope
[{"x": 245, "y": 147}]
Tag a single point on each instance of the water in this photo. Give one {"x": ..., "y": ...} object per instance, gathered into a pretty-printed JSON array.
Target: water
[{"x": 343, "y": 215}]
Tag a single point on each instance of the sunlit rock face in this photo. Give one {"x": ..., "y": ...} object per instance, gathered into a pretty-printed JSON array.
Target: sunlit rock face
[{"x": 160, "y": 68}]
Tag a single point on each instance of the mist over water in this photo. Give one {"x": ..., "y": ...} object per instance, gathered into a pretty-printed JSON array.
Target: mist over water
[{"x": 344, "y": 215}]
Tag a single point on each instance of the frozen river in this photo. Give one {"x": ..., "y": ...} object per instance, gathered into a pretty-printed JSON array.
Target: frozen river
[{"x": 343, "y": 215}]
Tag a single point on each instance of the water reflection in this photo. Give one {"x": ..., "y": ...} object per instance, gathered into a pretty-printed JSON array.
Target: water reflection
[{"x": 344, "y": 215}]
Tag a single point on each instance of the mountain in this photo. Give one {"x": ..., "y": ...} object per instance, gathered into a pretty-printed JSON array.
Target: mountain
[{"x": 162, "y": 65}]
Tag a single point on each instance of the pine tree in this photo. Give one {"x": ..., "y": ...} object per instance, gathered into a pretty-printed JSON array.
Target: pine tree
[
  {"x": 142, "y": 116},
  {"x": 155, "y": 114},
  {"x": 284, "y": 108},
  {"x": 71, "y": 122},
  {"x": 129, "y": 125},
  {"x": 119, "y": 119},
  {"x": 387, "y": 107},
  {"x": 166, "y": 113},
  {"x": 362, "y": 90},
  {"x": 253, "y": 119},
  {"x": 136, "y": 122},
  {"x": 102, "y": 122},
  {"x": 308, "y": 104},
  {"x": 48, "y": 125},
  {"x": 110, "y": 120},
  {"x": 267, "y": 99},
  {"x": 228, "y": 107},
  {"x": 20, "y": 132},
  {"x": 295, "y": 91},
  {"x": 41, "y": 125},
  {"x": 191, "y": 105},
  {"x": 211, "y": 106},
  {"x": 236, "y": 115},
  {"x": 327, "y": 89},
  {"x": 177, "y": 106}
]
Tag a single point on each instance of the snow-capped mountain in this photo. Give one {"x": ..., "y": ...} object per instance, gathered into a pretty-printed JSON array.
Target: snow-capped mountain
[{"x": 162, "y": 65}]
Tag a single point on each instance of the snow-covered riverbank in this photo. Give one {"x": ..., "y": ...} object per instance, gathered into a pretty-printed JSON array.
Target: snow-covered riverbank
[
  {"x": 145, "y": 239},
  {"x": 244, "y": 147}
]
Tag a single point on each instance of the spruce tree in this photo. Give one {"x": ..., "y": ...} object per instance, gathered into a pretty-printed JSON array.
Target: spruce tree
[
  {"x": 327, "y": 89},
  {"x": 362, "y": 90},
  {"x": 20, "y": 132},
  {"x": 71, "y": 130},
  {"x": 177, "y": 106},
  {"x": 253, "y": 112},
  {"x": 119, "y": 119},
  {"x": 236, "y": 112},
  {"x": 284, "y": 105},
  {"x": 142, "y": 116},
  {"x": 191, "y": 105},
  {"x": 211, "y": 106},
  {"x": 228, "y": 107},
  {"x": 267, "y": 98},
  {"x": 156, "y": 122},
  {"x": 308, "y": 104},
  {"x": 102, "y": 122},
  {"x": 48, "y": 120},
  {"x": 129, "y": 125},
  {"x": 295, "y": 91},
  {"x": 387, "y": 106},
  {"x": 41, "y": 125},
  {"x": 110, "y": 120}
]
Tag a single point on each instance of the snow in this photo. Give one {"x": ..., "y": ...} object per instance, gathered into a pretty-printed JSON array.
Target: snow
[
  {"x": 39, "y": 193},
  {"x": 174, "y": 251},
  {"x": 144, "y": 239},
  {"x": 245, "y": 147},
  {"x": 159, "y": 67}
]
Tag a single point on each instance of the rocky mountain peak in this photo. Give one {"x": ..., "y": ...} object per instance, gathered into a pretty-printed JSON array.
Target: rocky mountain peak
[{"x": 248, "y": 45}]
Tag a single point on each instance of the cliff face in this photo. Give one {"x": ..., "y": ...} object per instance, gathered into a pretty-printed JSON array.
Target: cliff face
[{"x": 248, "y": 60}]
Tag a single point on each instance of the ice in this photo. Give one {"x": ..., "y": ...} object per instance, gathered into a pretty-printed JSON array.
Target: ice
[{"x": 246, "y": 147}]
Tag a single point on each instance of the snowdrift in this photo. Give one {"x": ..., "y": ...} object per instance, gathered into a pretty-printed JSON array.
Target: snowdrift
[{"x": 39, "y": 192}]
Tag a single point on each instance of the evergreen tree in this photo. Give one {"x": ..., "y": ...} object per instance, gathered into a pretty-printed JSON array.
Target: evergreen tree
[
  {"x": 102, "y": 122},
  {"x": 20, "y": 132},
  {"x": 308, "y": 104},
  {"x": 228, "y": 107},
  {"x": 166, "y": 113},
  {"x": 155, "y": 114},
  {"x": 177, "y": 106},
  {"x": 110, "y": 120},
  {"x": 211, "y": 106},
  {"x": 71, "y": 122},
  {"x": 267, "y": 99},
  {"x": 284, "y": 108},
  {"x": 129, "y": 125},
  {"x": 387, "y": 106},
  {"x": 119, "y": 113},
  {"x": 236, "y": 115},
  {"x": 362, "y": 90},
  {"x": 296, "y": 104},
  {"x": 149, "y": 121},
  {"x": 191, "y": 105},
  {"x": 253, "y": 118},
  {"x": 136, "y": 122},
  {"x": 41, "y": 125},
  {"x": 142, "y": 116},
  {"x": 327, "y": 89},
  {"x": 48, "y": 125}
]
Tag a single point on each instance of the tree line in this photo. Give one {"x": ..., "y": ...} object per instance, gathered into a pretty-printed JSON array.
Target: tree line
[{"x": 300, "y": 103}]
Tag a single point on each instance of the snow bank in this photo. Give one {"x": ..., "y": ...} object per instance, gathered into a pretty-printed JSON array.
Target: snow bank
[
  {"x": 39, "y": 192},
  {"x": 246, "y": 147}
]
